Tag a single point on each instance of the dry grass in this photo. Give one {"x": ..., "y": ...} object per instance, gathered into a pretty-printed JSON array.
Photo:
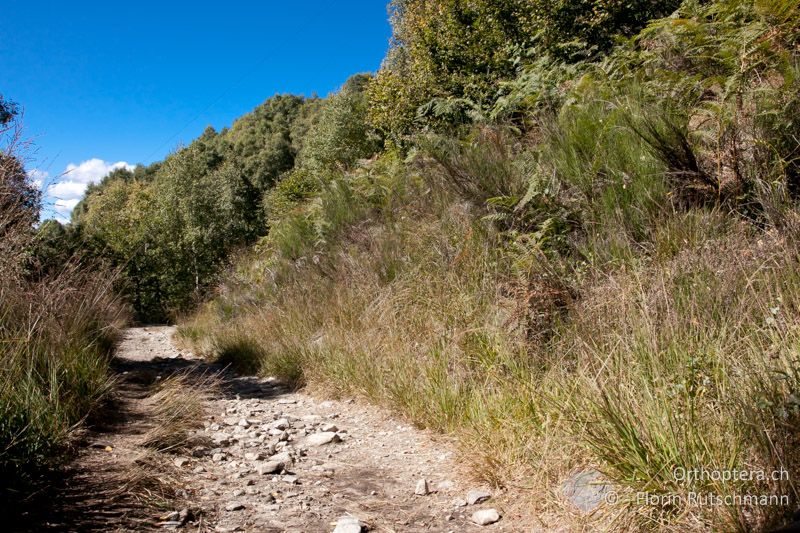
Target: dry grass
[
  {"x": 177, "y": 409},
  {"x": 603, "y": 326},
  {"x": 152, "y": 481}
]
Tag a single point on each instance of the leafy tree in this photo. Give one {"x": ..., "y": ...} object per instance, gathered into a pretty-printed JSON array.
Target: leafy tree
[
  {"x": 448, "y": 48},
  {"x": 8, "y": 111},
  {"x": 261, "y": 142},
  {"x": 120, "y": 227},
  {"x": 579, "y": 29},
  {"x": 199, "y": 221}
]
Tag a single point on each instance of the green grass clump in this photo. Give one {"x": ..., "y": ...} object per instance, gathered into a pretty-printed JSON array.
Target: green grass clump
[{"x": 56, "y": 338}]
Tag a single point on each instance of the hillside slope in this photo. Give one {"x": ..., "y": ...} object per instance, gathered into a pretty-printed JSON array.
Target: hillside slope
[{"x": 572, "y": 250}]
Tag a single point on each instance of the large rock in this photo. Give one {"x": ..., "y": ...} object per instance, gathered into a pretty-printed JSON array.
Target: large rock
[
  {"x": 348, "y": 524},
  {"x": 478, "y": 496},
  {"x": 269, "y": 467},
  {"x": 484, "y": 517},
  {"x": 320, "y": 439},
  {"x": 586, "y": 490}
]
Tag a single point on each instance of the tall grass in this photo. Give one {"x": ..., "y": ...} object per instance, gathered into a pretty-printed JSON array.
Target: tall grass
[
  {"x": 56, "y": 337},
  {"x": 685, "y": 357}
]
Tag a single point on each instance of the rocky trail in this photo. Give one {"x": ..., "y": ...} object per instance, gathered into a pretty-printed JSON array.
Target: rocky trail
[{"x": 263, "y": 458}]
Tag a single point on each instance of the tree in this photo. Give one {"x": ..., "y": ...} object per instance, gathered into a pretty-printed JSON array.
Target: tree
[
  {"x": 19, "y": 198},
  {"x": 342, "y": 134},
  {"x": 261, "y": 142},
  {"x": 8, "y": 111}
]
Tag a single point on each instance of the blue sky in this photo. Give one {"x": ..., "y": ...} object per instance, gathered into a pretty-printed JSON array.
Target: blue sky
[{"x": 120, "y": 83}]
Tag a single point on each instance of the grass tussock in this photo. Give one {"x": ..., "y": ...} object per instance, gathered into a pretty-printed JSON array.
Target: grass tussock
[
  {"x": 152, "y": 481},
  {"x": 177, "y": 409},
  {"x": 56, "y": 337}
]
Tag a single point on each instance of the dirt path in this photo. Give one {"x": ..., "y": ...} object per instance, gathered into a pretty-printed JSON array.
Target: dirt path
[{"x": 263, "y": 458}]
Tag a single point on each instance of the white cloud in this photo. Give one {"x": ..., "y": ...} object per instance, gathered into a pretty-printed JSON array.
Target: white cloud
[
  {"x": 65, "y": 193},
  {"x": 65, "y": 190},
  {"x": 92, "y": 170}
]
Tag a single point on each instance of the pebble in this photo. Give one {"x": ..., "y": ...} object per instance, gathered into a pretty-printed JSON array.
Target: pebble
[
  {"x": 254, "y": 456},
  {"x": 270, "y": 467},
  {"x": 281, "y": 424},
  {"x": 284, "y": 458},
  {"x": 234, "y": 506},
  {"x": 484, "y": 517},
  {"x": 422, "y": 488}
]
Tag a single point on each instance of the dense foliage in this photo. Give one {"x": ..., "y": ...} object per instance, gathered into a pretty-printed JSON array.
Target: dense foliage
[{"x": 449, "y": 57}]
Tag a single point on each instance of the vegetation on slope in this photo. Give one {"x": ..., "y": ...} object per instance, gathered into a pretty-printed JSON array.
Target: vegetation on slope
[{"x": 594, "y": 267}]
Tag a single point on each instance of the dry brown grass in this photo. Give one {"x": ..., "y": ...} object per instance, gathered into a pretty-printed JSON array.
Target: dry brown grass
[
  {"x": 176, "y": 409},
  {"x": 152, "y": 480}
]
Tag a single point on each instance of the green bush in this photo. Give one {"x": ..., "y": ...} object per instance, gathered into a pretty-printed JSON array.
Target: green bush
[{"x": 342, "y": 135}]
